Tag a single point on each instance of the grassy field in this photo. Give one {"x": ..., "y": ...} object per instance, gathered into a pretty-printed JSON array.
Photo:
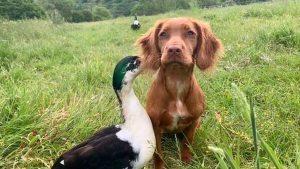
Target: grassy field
[{"x": 55, "y": 85}]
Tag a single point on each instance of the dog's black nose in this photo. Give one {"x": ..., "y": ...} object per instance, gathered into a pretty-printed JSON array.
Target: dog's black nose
[{"x": 174, "y": 50}]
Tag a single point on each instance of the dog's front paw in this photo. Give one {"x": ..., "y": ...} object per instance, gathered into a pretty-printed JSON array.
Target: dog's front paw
[
  {"x": 158, "y": 162},
  {"x": 186, "y": 157}
]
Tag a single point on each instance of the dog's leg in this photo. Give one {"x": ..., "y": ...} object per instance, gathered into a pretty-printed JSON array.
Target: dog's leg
[
  {"x": 158, "y": 156},
  {"x": 189, "y": 134}
]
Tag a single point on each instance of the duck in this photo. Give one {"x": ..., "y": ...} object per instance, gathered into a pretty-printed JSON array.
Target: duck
[
  {"x": 136, "y": 25},
  {"x": 129, "y": 145}
]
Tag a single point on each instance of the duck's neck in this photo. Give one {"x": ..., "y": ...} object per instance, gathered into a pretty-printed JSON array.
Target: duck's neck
[
  {"x": 137, "y": 121},
  {"x": 132, "y": 109}
]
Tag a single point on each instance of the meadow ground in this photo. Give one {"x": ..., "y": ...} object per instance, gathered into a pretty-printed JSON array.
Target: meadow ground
[{"x": 55, "y": 85}]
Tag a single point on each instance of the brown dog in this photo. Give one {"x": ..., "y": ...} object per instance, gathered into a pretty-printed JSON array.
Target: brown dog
[{"x": 175, "y": 101}]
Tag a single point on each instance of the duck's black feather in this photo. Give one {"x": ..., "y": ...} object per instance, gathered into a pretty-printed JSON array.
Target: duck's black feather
[
  {"x": 135, "y": 27},
  {"x": 103, "y": 150}
]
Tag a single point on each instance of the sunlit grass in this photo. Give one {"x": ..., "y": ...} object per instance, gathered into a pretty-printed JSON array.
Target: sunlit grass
[{"x": 55, "y": 85}]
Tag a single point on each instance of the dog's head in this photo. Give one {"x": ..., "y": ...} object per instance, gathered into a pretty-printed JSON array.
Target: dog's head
[{"x": 179, "y": 42}]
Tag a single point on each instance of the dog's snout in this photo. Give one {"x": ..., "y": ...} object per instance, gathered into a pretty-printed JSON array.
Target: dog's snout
[{"x": 174, "y": 50}]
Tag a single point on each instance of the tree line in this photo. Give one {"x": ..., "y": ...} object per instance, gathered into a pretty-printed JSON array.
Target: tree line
[{"x": 97, "y": 10}]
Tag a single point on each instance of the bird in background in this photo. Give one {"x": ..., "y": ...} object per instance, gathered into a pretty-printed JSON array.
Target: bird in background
[
  {"x": 125, "y": 146},
  {"x": 136, "y": 25}
]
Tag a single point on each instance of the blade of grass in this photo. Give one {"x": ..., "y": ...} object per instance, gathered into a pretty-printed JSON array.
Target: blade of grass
[
  {"x": 241, "y": 102},
  {"x": 271, "y": 153},
  {"x": 254, "y": 132},
  {"x": 220, "y": 156},
  {"x": 238, "y": 157},
  {"x": 297, "y": 156},
  {"x": 223, "y": 165},
  {"x": 231, "y": 160}
]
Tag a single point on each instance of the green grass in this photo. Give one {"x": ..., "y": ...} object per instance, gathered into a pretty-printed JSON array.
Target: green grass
[{"x": 55, "y": 85}]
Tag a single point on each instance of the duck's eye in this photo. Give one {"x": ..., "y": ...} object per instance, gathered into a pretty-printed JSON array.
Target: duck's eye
[
  {"x": 163, "y": 34},
  {"x": 133, "y": 65},
  {"x": 190, "y": 33}
]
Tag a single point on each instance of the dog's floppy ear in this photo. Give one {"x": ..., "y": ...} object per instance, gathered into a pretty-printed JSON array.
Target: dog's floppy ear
[
  {"x": 150, "y": 51},
  {"x": 209, "y": 48}
]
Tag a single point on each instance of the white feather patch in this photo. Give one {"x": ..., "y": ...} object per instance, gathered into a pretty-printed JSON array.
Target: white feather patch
[
  {"x": 125, "y": 135},
  {"x": 135, "y": 22},
  {"x": 62, "y": 162}
]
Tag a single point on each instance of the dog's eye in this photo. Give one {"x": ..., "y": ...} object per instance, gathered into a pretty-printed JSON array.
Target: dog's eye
[
  {"x": 163, "y": 34},
  {"x": 190, "y": 33}
]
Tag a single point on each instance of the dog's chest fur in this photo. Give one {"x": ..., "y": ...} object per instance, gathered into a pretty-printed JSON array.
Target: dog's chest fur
[
  {"x": 178, "y": 113},
  {"x": 175, "y": 118}
]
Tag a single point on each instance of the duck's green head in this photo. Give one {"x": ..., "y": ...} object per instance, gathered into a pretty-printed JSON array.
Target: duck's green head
[{"x": 126, "y": 71}]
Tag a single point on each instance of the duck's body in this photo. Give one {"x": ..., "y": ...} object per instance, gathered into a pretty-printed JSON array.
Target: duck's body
[
  {"x": 126, "y": 146},
  {"x": 136, "y": 25}
]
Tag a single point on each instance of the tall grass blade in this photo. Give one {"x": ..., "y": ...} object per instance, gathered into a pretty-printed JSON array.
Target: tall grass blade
[
  {"x": 220, "y": 156},
  {"x": 248, "y": 113},
  {"x": 238, "y": 157},
  {"x": 231, "y": 161},
  {"x": 271, "y": 153},
  {"x": 242, "y": 103},
  {"x": 297, "y": 156},
  {"x": 254, "y": 132},
  {"x": 222, "y": 163}
]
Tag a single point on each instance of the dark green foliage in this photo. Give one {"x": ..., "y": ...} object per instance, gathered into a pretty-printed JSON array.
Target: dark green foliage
[
  {"x": 120, "y": 7},
  {"x": 56, "y": 17},
  {"x": 223, "y": 3},
  {"x": 283, "y": 37},
  {"x": 57, "y": 88},
  {"x": 107, "y": 9},
  {"x": 84, "y": 10},
  {"x": 77, "y": 16},
  {"x": 87, "y": 15},
  {"x": 206, "y": 3},
  {"x": 101, "y": 13},
  {"x": 16, "y": 10},
  {"x": 146, "y": 7},
  {"x": 64, "y": 7},
  {"x": 258, "y": 13},
  {"x": 286, "y": 37}
]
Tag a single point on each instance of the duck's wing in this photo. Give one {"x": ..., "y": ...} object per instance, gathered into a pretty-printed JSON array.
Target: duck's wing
[
  {"x": 101, "y": 133},
  {"x": 102, "y": 151}
]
